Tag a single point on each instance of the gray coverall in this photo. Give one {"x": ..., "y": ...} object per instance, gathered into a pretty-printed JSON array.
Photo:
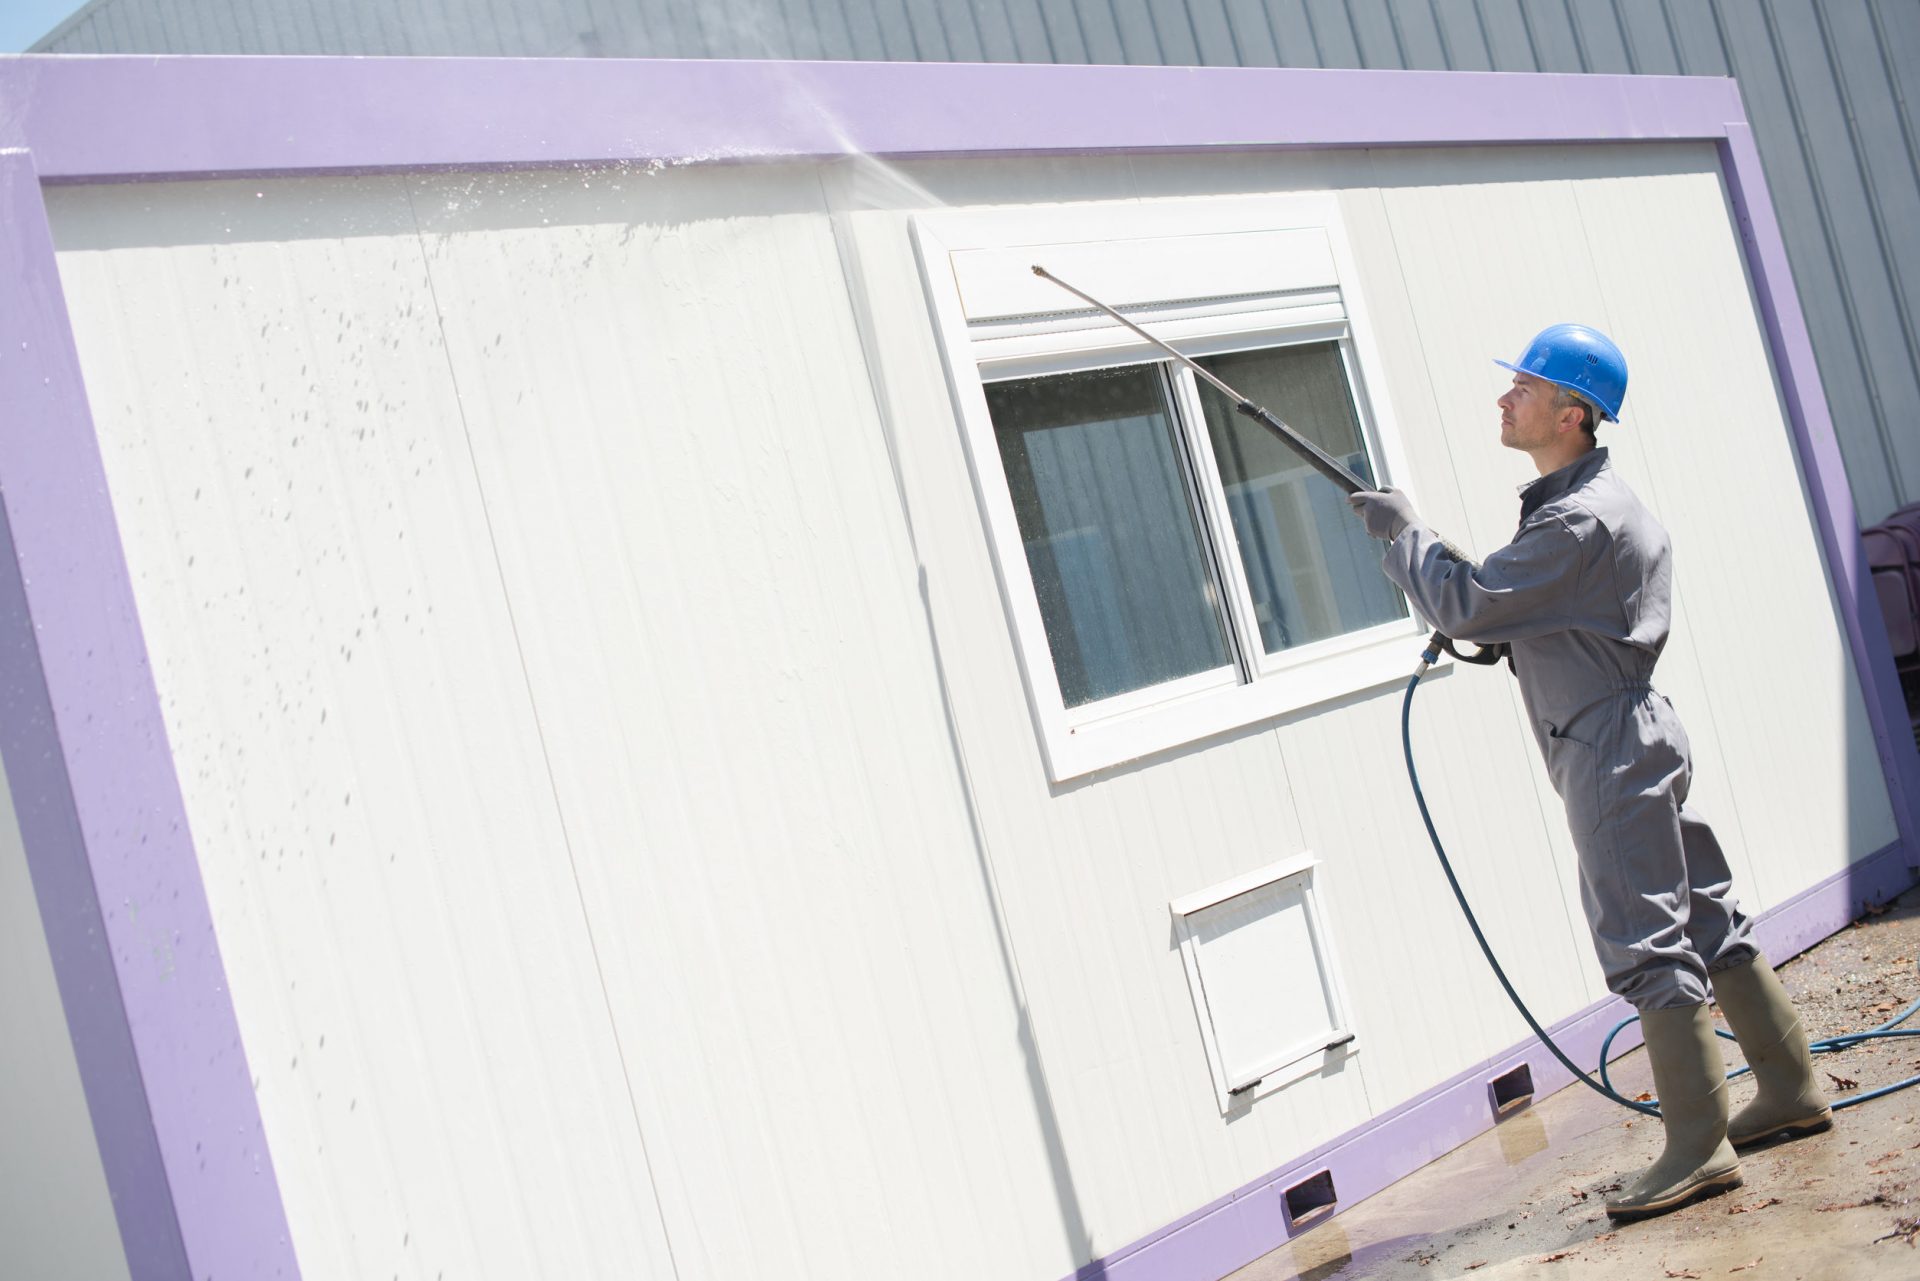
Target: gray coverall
[{"x": 1583, "y": 595}]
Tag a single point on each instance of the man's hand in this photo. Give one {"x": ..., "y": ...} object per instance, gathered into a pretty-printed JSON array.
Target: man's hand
[{"x": 1386, "y": 512}]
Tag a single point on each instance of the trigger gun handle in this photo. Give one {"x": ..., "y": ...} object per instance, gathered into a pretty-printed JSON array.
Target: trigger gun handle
[{"x": 1483, "y": 655}]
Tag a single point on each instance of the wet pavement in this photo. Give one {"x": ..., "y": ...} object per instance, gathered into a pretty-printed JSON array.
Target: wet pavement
[{"x": 1524, "y": 1200}]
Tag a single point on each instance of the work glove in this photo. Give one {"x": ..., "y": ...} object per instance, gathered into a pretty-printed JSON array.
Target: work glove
[{"x": 1386, "y": 512}]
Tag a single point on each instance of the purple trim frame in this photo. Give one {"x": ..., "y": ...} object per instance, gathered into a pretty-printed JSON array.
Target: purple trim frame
[
  {"x": 84, "y": 743},
  {"x": 106, "y": 119},
  {"x": 73, "y": 679}
]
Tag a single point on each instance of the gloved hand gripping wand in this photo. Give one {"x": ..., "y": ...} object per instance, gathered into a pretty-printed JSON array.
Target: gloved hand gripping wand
[{"x": 1323, "y": 462}]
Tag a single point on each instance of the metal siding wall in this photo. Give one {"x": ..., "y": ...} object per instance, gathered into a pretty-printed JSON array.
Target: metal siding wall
[
  {"x": 1509, "y": 36},
  {"x": 1101, "y": 28},
  {"x": 1252, "y": 36},
  {"x": 552, "y": 693},
  {"x": 1871, "y": 253},
  {"x": 896, "y": 31},
  {"x": 1551, "y": 36},
  {"x": 1647, "y": 38},
  {"x": 356, "y": 744},
  {"x": 1373, "y": 33},
  {"x": 1066, "y": 40},
  {"x": 700, "y": 534},
  {"x": 1462, "y": 34},
  {"x": 1418, "y": 29},
  {"x": 1334, "y": 40}
]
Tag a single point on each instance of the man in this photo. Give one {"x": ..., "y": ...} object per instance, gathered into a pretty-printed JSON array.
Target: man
[{"x": 1582, "y": 596}]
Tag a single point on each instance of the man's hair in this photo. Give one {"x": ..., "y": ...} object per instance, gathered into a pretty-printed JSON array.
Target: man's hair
[{"x": 1562, "y": 398}]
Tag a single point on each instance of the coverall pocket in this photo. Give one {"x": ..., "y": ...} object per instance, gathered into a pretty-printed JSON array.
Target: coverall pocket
[{"x": 1574, "y": 767}]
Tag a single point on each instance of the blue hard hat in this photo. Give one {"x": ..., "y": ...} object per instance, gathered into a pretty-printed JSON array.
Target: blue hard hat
[{"x": 1581, "y": 359}]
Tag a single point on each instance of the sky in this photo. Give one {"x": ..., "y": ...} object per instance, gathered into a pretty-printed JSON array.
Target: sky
[{"x": 24, "y": 21}]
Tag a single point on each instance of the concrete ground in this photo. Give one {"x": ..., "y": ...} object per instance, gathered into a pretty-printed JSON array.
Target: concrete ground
[{"x": 1524, "y": 1200}]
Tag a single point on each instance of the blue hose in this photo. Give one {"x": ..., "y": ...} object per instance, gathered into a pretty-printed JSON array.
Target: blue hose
[{"x": 1604, "y": 1085}]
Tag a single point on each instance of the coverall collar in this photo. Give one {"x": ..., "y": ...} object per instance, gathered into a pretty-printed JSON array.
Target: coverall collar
[{"x": 1539, "y": 493}]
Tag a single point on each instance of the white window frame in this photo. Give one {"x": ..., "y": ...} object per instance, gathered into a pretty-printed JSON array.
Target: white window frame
[
  {"x": 1236, "y": 1089},
  {"x": 1258, "y": 686}
]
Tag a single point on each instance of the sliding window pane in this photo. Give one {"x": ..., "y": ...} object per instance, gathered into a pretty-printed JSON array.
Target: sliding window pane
[
  {"x": 1110, "y": 535},
  {"x": 1310, "y": 566}
]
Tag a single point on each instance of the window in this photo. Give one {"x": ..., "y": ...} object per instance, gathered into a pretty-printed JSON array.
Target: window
[
  {"x": 1310, "y": 568},
  {"x": 1171, "y": 568},
  {"x": 1262, "y": 975},
  {"x": 1117, "y": 557}
]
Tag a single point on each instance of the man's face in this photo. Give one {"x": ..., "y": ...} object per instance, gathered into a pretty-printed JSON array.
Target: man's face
[{"x": 1527, "y": 415}]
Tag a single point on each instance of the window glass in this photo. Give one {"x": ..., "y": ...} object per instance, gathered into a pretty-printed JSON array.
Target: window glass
[
  {"x": 1310, "y": 567},
  {"x": 1110, "y": 535}
]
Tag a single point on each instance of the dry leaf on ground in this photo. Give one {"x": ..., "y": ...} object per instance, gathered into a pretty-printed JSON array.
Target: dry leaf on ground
[
  {"x": 1876, "y": 1199},
  {"x": 1757, "y": 1205}
]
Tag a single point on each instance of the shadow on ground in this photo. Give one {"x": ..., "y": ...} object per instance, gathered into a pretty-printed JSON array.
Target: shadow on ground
[{"x": 1524, "y": 1200}]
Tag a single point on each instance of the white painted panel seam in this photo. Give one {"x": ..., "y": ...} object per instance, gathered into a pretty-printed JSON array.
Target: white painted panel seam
[{"x": 546, "y": 754}]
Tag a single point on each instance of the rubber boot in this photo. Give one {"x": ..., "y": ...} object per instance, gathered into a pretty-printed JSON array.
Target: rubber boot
[
  {"x": 1767, "y": 1026},
  {"x": 1691, "y": 1082}
]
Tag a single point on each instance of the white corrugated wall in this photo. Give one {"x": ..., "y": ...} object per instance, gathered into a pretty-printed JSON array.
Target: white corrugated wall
[{"x": 622, "y": 866}]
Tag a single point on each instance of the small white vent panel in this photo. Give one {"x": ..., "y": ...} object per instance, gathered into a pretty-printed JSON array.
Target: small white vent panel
[{"x": 1262, "y": 975}]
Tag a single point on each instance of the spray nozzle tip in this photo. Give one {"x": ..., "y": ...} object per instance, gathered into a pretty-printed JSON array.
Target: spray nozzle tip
[{"x": 1038, "y": 270}]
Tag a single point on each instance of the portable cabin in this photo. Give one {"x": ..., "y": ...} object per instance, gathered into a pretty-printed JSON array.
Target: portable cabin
[{"x": 602, "y": 682}]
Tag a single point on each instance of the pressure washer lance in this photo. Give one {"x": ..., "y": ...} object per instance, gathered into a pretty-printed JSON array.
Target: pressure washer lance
[
  {"x": 1339, "y": 475},
  {"x": 1323, "y": 462}
]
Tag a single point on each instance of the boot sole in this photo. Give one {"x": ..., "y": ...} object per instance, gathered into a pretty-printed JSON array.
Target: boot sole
[
  {"x": 1711, "y": 1186},
  {"x": 1797, "y": 1129}
]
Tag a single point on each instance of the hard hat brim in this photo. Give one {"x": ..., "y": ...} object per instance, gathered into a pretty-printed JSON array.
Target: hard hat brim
[{"x": 1581, "y": 392}]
